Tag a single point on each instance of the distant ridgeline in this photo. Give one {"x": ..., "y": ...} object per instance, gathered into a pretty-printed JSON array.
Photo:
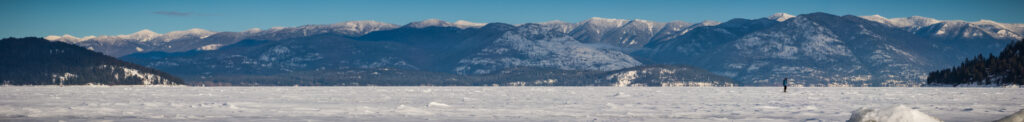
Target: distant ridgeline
[
  {"x": 1005, "y": 69},
  {"x": 37, "y": 61}
]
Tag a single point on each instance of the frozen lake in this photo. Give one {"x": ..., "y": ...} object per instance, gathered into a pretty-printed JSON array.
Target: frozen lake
[{"x": 138, "y": 103}]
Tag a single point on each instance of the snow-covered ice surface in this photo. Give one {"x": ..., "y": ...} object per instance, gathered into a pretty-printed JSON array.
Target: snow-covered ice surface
[{"x": 138, "y": 103}]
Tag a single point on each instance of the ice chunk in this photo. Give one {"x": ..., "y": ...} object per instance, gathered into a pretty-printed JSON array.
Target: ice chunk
[
  {"x": 897, "y": 113},
  {"x": 437, "y": 104},
  {"x": 412, "y": 111}
]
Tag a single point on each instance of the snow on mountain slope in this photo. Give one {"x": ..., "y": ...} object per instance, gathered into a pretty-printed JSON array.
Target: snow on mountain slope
[
  {"x": 708, "y": 23},
  {"x": 143, "y": 40},
  {"x": 913, "y": 21},
  {"x": 142, "y": 36},
  {"x": 210, "y": 47},
  {"x": 350, "y": 28},
  {"x": 591, "y": 30},
  {"x": 812, "y": 50},
  {"x": 671, "y": 30},
  {"x": 190, "y": 32},
  {"x": 780, "y": 17},
  {"x": 68, "y": 38},
  {"x": 598, "y": 24},
  {"x": 636, "y": 33},
  {"x": 777, "y": 52},
  {"x": 559, "y": 26},
  {"x": 675, "y": 29},
  {"x": 463, "y": 24},
  {"x": 822, "y": 43},
  {"x": 618, "y": 32},
  {"x": 129, "y": 73},
  {"x": 430, "y": 23},
  {"x": 358, "y": 27},
  {"x": 689, "y": 43},
  {"x": 533, "y": 46}
]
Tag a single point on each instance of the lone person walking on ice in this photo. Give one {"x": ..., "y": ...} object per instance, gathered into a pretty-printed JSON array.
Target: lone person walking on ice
[{"x": 785, "y": 84}]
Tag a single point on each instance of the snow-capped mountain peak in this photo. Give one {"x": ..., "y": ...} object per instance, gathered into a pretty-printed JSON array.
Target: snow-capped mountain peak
[
  {"x": 993, "y": 23},
  {"x": 876, "y": 18},
  {"x": 553, "y": 22},
  {"x": 145, "y": 32},
  {"x": 351, "y": 28},
  {"x": 361, "y": 23},
  {"x": 201, "y": 33},
  {"x": 708, "y": 23},
  {"x": 252, "y": 30},
  {"x": 920, "y": 21},
  {"x": 558, "y": 25},
  {"x": 676, "y": 26},
  {"x": 985, "y": 21},
  {"x": 362, "y": 27},
  {"x": 429, "y": 23},
  {"x": 902, "y": 22},
  {"x": 649, "y": 26},
  {"x": 142, "y": 35},
  {"x": 467, "y": 24},
  {"x": 953, "y": 28},
  {"x": 67, "y": 38},
  {"x": 780, "y": 17},
  {"x": 605, "y": 22}
]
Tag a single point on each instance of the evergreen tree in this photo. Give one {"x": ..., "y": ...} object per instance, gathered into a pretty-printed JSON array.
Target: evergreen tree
[{"x": 1005, "y": 69}]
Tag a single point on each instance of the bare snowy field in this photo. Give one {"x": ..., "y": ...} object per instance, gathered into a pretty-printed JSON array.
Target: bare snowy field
[{"x": 137, "y": 103}]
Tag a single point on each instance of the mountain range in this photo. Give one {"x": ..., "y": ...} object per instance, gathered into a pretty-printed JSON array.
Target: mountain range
[{"x": 815, "y": 49}]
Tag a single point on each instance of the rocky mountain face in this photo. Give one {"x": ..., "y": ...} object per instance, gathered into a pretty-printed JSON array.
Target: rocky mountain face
[
  {"x": 36, "y": 61},
  {"x": 816, "y": 49}
]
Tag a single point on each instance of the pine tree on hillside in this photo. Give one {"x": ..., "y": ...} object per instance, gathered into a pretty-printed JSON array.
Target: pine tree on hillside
[
  {"x": 1005, "y": 69},
  {"x": 36, "y": 61}
]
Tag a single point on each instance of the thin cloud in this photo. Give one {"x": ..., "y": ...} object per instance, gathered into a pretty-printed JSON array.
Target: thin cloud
[{"x": 172, "y": 13}]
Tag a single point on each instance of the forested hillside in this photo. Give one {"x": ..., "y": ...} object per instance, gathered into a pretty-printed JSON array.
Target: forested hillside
[{"x": 1005, "y": 69}]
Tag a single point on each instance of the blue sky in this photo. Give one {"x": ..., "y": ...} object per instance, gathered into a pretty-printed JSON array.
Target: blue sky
[{"x": 110, "y": 17}]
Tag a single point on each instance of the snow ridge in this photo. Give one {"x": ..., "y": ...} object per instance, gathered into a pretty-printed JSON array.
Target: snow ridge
[
  {"x": 780, "y": 17},
  {"x": 429, "y": 23},
  {"x": 463, "y": 24},
  {"x": 954, "y": 28}
]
